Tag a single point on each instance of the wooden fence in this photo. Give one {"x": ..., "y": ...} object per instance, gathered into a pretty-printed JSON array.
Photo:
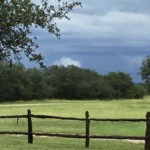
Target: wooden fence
[{"x": 87, "y": 135}]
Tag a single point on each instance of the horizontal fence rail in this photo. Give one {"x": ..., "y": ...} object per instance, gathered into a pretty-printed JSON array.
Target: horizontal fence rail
[
  {"x": 13, "y": 132},
  {"x": 87, "y": 135},
  {"x": 14, "y": 116},
  {"x": 57, "y": 117},
  {"x": 72, "y": 118},
  {"x": 118, "y": 137},
  {"x": 119, "y": 120}
]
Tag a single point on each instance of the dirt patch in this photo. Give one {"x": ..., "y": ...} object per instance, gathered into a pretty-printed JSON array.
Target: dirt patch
[
  {"x": 21, "y": 105},
  {"x": 136, "y": 141},
  {"x": 126, "y": 140}
]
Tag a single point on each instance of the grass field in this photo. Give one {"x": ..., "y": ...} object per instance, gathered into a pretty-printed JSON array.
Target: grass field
[{"x": 96, "y": 108}]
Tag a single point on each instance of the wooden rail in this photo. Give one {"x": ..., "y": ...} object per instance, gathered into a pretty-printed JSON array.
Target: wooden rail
[{"x": 87, "y": 135}]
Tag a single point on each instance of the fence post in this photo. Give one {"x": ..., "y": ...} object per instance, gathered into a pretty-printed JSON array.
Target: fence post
[
  {"x": 87, "y": 129},
  {"x": 30, "y": 135},
  {"x": 147, "y": 134}
]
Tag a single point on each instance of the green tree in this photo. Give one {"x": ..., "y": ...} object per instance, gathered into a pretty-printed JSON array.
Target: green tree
[
  {"x": 39, "y": 86},
  {"x": 63, "y": 81},
  {"x": 138, "y": 91},
  {"x": 18, "y": 17},
  {"x": 76, "y": 83},
  {"x": 145, "y": 72},
  {"x": 121, "y": 83},
  {"x": 145, "y": 69},
  {"x": 15, "y": 82}
]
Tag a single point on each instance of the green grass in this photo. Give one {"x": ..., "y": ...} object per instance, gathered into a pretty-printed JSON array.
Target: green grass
[
  {"x": 20, "y": 143},
  {"x": 96, "y": 108}
]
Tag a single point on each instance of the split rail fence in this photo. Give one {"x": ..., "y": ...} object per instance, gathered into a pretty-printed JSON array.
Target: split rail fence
[{"x": 87, "y": 135}]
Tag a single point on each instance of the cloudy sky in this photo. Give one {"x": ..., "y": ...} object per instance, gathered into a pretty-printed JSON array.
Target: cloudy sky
[{"x": 104, "y": 35}]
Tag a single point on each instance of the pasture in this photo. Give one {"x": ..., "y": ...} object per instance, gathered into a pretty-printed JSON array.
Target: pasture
[{"x": 96, "y": 108}]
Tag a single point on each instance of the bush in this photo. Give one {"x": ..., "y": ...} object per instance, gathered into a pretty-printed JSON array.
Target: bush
[{"x": 138, "y": 91}]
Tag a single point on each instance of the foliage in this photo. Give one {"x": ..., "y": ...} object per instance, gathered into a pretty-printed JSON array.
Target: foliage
[
  {"x": 145, "y": 72},
  {"x": 121, "y": 84},
  {"x": 73, "y": 82},
  {"x": 14, "y": 82},
  {"x": 18, "y": 17},
  {"x": 61, "y": 82},
  {"x": 138, "y": 91},
  {"x": 145, "y": 69}
]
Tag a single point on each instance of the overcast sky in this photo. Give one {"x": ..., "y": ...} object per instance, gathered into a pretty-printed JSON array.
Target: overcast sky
[{"x": 104, "y": 35}]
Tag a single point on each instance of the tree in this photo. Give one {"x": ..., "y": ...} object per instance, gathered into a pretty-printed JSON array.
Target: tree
[
  {"x": 145, "y": 69},
  {"x": 145, "y": 72},
  {"x": 138, "y": 91},
  {"x": 15, "y": 82},
  {"x": 121, "y": 84},
  {"x": 17, "y": 17},
  {"x": 73, "y": 83},
  {"x": 39, "y": 87}
]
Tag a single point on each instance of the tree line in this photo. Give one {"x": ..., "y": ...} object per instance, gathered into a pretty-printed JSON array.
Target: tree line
[{"x": 59, "y": 82}]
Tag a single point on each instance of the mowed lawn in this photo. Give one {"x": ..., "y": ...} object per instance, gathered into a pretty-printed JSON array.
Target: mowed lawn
[{"x": 96, "y": 108}]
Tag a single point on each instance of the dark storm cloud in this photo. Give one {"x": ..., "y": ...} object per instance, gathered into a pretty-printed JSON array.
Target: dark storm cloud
[{"x": 106, "y": 35}]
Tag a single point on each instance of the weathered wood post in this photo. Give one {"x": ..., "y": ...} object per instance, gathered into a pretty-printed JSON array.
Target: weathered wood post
[
  {"x": 87, "y": 129},
  {"x": 147, "y": 134},
  {"x": 30, "y": 135}
]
